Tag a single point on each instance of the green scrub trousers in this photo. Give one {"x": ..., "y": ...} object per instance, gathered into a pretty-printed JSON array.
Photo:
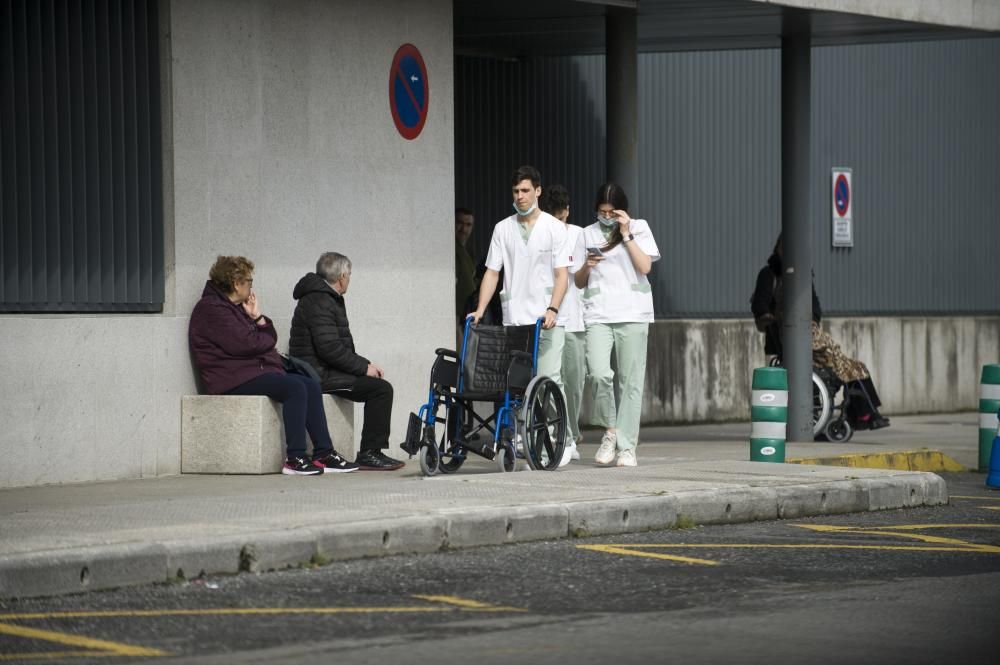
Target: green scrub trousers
[
  {"x": 628, "y": 341},
  {"x": 574, "y": 374},
  {"x": 550, "y": 351}
]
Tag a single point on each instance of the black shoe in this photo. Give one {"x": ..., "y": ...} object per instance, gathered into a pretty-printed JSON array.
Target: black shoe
[
  {"x": 332, "y": 462},
  {"x": 376, "y": 460},
  {"x": 878, "y": 422},
  {"x": 300, "y": 466}
]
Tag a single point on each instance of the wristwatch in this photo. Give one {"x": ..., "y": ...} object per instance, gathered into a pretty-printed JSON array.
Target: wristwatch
[{"x": 628, "y": 237}]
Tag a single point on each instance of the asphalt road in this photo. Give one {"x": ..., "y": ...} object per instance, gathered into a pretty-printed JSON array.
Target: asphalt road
[{"x": 905, "y": 586}]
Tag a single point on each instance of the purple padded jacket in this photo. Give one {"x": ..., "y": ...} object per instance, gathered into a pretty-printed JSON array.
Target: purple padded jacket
[{"x": 228, "y": 348}]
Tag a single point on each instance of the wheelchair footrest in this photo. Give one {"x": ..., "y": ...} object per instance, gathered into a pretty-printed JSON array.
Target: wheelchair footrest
[
  {"x": 412, "y": 444},
  {"x": 483, "y": 448}
]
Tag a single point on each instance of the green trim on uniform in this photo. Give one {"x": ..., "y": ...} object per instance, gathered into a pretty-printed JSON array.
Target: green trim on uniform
[
  {"x": 642, "y": 288},
  {"x": 590, "y": 293},
  {"x": 504, "y": 296}
]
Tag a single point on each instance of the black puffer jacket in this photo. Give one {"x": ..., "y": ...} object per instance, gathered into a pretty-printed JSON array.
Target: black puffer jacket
[
  {"x": 767, "y": 299},
  {"x": 321, "y": 334}
]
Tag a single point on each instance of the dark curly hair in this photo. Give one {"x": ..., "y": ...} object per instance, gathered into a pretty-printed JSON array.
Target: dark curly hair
[
  {"x": 229, "y": 271},
  {"x": 614, "y": 195}
]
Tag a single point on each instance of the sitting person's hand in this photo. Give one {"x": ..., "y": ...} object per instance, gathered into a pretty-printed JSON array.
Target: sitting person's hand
[
  {"x": 764, "y": 321},
  {"x": 374, "y": 371}
]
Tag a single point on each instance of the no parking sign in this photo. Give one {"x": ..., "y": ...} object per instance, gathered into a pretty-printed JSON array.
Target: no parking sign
[
  {"x": 843, "y": 208},
  {"x": 409, "y": 92}
]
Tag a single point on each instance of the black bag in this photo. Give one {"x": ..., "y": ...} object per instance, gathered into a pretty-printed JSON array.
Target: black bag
[{"x": 294, "y": 365}]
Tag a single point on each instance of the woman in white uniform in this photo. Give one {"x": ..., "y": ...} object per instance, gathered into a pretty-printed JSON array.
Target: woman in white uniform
[{"x": 613, "y": 257}]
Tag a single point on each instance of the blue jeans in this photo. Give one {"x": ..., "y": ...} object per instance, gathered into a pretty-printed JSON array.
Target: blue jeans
[{"x": 302, "y": 409}]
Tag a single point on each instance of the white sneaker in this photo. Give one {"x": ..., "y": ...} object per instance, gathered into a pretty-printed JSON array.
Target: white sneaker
[
  {"x": 569, "y": 453},
  {"x": 576, "y": 451},
  {"x": 627, "y": 458},
  {"x": 606, "y": 453}
]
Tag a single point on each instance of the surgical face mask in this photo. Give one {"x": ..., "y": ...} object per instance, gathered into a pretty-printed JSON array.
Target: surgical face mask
[
  {"x": 527, "y": 212},
  {"x": 607, "y": 222}
]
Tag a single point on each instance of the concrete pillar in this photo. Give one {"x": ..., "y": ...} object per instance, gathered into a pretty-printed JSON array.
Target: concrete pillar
[
  {"x": 796, "y": 226},
  {"x": 622, "y": 64}
]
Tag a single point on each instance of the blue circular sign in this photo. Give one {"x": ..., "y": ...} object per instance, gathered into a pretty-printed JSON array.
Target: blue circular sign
[
  {"x": 841, "y": 195},
  {"x": 409, "y": 92}
]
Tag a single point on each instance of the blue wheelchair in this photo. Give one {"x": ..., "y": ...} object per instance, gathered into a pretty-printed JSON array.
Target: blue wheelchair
[{"x": 497, "y": 365}]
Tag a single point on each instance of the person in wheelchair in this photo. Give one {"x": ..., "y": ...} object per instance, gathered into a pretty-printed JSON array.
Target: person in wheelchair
[{"x": 861, "y": 397}]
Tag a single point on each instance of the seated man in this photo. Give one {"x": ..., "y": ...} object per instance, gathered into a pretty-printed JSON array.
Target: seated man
[{"x": 321, "y": 336}]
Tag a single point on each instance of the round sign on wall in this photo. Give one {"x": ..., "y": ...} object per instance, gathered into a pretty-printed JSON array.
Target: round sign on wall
[
  {"x": 409, "y": 92},
  {"x": 842, "y": 195}
]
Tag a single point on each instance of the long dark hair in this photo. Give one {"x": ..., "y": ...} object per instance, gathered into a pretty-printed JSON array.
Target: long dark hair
[{"x": 612, "y": 193}]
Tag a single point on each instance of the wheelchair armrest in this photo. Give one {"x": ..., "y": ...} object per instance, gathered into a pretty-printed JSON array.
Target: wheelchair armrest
[{"x": 447, "y": 353}]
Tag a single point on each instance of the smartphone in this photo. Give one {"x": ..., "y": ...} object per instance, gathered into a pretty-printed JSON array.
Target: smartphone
[{"x": 594, "y": 251}]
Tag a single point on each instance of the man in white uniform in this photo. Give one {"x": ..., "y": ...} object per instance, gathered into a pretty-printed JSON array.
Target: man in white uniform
[
  {"x": 555, "y": 201},
  {"x": 531, "y": 248}
]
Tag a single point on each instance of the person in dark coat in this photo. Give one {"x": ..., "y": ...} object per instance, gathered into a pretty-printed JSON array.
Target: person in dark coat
[
  {"x": 232, "y": 344},
  {"x": 321, "y": 336},
  {"x": 767, "y": 307}
]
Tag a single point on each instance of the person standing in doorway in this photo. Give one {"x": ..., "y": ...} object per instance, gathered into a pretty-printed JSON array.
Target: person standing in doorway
[
  {"x": 555, "y": 201},
  {"x": 465, "y": 266},
  {"x": 614, "y": 256}
]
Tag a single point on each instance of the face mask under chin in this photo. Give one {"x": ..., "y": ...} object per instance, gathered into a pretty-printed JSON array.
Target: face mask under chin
[{"x": 525, "y": 213}]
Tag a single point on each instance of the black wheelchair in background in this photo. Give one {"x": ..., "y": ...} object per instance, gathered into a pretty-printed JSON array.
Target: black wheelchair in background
[
  {"x": 831, "y": 418},
  {"x": 497, "y": 365}
]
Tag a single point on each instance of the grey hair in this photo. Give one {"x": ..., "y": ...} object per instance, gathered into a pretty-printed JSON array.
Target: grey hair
[{"x": 332, "y": 265}]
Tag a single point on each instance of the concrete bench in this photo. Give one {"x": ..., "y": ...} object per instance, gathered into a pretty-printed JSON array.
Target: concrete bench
[{"x": 245, "y": 433}]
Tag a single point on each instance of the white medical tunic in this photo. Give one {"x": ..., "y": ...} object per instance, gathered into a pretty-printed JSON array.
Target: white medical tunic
[
  {"x": 615, "y": 291},
  {"x": 527, "y": 266},
  {"x": 571, "y": 309}
]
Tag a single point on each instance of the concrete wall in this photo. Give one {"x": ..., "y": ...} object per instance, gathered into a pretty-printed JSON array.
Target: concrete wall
[
  {"x": 701, "y": 369},
  {"x": 978, "y": 14},
  {"x": 282, "y": 147}
]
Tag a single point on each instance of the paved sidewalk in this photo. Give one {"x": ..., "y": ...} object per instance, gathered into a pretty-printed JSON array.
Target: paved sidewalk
[{"x": 68, "y": 538}]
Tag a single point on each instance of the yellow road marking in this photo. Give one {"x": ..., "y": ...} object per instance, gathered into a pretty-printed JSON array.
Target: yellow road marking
[
  {"x": 453, "y": 603},
  {"x": 891, "y": 531},
  {"x": 116, "y": 648},
  {"x": 467, "y": 604},
  {"x": 933, "y": 543},
  {"x": 630, "y": 550},
  {"x": 976, "y": 498},
  {"x": 54, "y": 655}
]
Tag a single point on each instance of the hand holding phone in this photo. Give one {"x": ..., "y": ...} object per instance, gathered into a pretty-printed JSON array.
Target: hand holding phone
[{"x": 594, "y": 251}]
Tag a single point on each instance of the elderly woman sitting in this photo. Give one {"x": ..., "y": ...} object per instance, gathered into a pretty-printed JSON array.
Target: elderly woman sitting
[{"x": 233, "y": 345}]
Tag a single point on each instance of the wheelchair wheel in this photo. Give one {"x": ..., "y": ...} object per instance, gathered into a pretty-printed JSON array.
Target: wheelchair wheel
[
  {"x": 839, "y": 430},
  {"x": 822, "y": 404},
  {"x": 544, "y": 415},
  {"x": 430, "y": 458},
  {"x": 506, "y": 458},
  {"x": 451, "y": 456}
]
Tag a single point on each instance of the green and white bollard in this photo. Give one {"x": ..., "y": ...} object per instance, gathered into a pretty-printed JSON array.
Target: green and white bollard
[
  {"x": 989, "y": 404},
  {"x": 768, "y": 414}
]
